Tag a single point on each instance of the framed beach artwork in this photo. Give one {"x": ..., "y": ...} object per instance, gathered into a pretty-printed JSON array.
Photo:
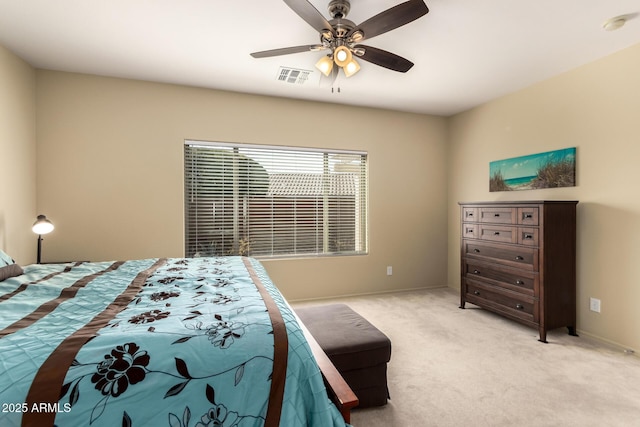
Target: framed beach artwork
[{"x": 550, "y": 169}]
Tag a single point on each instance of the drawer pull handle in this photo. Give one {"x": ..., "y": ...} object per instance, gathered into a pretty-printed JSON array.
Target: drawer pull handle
[
  {"x": 476, "y": 292},
  {"x": 528, "y": 216},
  {"x": 528, "y": 236},
  {"x": 469, "y": 230},
  {"x": 496, "y": 233},
  {"x": 469, "y": 214},
  {"x": 520, "y": 306},
  {"x": 497, "y": 215},
  {"x": 519, "y": 282},
  {"x": 476, "y": 271},
  {"x": 519, "y": 258},
  {"x": 476, "y": 250}
]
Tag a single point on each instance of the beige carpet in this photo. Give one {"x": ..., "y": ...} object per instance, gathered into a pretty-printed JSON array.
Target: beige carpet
[{"x": 453, "y": 367}]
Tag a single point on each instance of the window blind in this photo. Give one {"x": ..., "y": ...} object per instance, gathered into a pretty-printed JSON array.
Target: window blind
[{"x": 265, "y": 201}]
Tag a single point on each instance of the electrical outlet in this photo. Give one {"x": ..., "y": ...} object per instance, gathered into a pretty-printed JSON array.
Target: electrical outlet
[
  {"x": 389, "y": 270},
  {"x": 594, "y": 305}
]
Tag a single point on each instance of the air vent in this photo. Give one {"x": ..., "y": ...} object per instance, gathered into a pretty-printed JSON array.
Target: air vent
[{"x": 293, "y": 75}]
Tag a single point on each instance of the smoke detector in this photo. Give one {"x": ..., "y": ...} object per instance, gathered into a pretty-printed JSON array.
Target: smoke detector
[{"x": 615, "y": 23}]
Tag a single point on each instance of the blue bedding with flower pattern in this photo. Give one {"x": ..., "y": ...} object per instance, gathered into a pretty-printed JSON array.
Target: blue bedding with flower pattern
[{"x": 157, "y": 342}]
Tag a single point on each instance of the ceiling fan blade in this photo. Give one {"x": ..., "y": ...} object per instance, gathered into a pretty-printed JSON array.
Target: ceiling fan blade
[
  {"x": 287, "y": 50},
  {"x": 384, "y": 59},
  {"x": 392, "y": 18},
  {"x": 310, "y": 14}
]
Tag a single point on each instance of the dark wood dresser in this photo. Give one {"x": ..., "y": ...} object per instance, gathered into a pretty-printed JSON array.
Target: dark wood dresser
[{"x": 518, "y": 259}]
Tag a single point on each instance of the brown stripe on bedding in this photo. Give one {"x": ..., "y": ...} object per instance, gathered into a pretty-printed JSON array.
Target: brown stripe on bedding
[
  {"x": 48, "y": 381},
  {"x": 280, "y": 352},
  {"x": 46, "y": 308},
  {"x": 24, "y": 286}
]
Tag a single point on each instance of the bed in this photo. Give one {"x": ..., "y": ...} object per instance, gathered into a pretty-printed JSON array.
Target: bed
[{"x": 171, "y": 341}]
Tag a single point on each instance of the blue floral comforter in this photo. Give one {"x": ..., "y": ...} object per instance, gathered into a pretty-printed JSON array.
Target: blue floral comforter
[{"x": 157, "y": 342}]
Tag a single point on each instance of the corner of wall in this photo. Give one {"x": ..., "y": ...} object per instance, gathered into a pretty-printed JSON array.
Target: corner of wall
[{"x": 18, "y": 144}]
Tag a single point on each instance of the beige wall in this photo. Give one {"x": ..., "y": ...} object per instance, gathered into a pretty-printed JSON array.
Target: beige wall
[
  {"x": 595, "y": 108},
  {"x": 17, "y": 158},
  {"x": 111, "y": 175}
]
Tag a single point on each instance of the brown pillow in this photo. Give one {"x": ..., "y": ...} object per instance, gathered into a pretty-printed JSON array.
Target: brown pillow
[{"x": 10, "y": 270}]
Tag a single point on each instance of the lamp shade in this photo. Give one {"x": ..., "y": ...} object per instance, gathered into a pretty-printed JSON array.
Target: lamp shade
[
  {"x": 342, "y": 56},
  {"x": 325, "y": 65},
  {"x": 42, "y": 225},
  {"x": 351, "y": 68}
]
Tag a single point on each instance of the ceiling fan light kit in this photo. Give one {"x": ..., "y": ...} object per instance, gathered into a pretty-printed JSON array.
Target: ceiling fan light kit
[
  {"x": 343, "y": 58},
  {"x": 340, "y": 35}
]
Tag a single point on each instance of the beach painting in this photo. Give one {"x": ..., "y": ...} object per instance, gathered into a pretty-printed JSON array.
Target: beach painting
[{"x": 550, "y": 169}]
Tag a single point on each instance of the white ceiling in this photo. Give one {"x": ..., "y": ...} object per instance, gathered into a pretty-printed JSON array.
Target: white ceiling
[{"x": 466, "y": 52}]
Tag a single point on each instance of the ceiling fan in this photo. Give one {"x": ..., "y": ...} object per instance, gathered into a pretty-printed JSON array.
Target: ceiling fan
[{"x": 342, "y": 37}]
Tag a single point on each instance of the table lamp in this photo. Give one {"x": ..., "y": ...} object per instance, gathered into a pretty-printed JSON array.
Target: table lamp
[{"x": 40, "y": 227}]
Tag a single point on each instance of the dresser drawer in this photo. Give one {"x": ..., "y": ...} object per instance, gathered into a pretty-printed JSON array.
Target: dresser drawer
[
  {"x": 516, "y": 280},
  {"x": 528, "y": 216},
  {"x": 498, "y": 215},
  {"x": 528, "y": 236},
  {"x": 517, "y": 305},
  {"x": 469, "y": 231},
  {"x": 498, "y": 233},
  {"x": 469, "y": 214},
  {"x": 514, "y": 256}
]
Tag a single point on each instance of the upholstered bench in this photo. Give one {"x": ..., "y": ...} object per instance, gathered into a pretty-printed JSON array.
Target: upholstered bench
[{"x": 358, "y": 350}]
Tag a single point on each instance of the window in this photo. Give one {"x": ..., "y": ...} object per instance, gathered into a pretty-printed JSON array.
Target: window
[{"x": 274, "y": 201}]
